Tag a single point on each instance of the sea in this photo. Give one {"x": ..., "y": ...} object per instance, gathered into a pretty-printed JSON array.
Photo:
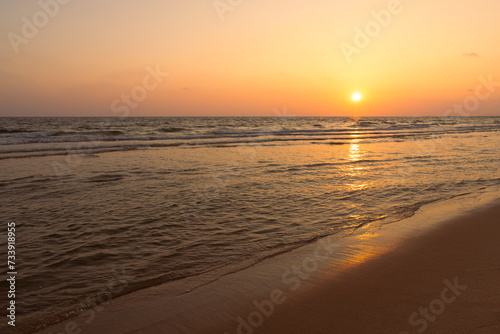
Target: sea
[{"x": 107, "y": 206}]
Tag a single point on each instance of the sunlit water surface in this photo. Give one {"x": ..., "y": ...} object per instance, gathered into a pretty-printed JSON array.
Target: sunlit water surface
[{"x": 161, "y": 199}]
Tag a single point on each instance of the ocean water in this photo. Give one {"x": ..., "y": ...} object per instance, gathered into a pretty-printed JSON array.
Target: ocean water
[{"x": 145, "y": 201}]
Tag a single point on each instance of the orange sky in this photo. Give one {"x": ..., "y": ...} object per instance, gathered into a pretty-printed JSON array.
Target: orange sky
[{"x": 94, "y": 58}]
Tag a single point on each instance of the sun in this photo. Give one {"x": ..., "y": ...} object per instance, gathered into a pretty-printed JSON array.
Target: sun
[{"x": 356, "y": 97}]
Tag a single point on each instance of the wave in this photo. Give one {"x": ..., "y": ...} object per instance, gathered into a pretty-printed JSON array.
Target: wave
[
  {"x": 88, "y": 133},
  {"x": 46, "y": 137},
  {"x": 68, "y": 146},
  {"x": 105, "y": 178},
  {"x": 14, "y": 131},
  {"x": 116, "y": 135},
  {"x": 173, "y": 129}
]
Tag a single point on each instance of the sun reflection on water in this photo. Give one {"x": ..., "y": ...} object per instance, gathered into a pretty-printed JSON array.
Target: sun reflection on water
[
  {"x": 354, "y": 153},
  {"x": 356, "y": 170}
]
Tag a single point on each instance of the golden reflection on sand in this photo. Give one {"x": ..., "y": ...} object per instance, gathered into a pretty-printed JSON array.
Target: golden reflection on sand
[{"x": 362, "y": 247}]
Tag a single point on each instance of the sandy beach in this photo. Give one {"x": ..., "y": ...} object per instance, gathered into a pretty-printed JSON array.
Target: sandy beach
[
  {"x": 442, "y": 278},
  {"x": 443, "y": 282}
]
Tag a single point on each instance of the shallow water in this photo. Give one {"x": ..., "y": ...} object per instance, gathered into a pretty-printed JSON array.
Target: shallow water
[{"x": 162, "y": 199}]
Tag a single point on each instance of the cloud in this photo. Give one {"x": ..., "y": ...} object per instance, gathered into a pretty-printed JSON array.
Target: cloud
[{"x": 471, "y": 54}]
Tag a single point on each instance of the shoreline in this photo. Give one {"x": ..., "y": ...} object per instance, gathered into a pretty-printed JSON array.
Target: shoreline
[
  {"x": 213, "y": 308},
  {"x": 444, "y": 281}
]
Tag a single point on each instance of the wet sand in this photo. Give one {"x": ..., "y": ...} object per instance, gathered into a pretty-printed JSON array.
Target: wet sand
[
  {"x": 443, "y": 279},
  {"x": 447, "y": 281}
]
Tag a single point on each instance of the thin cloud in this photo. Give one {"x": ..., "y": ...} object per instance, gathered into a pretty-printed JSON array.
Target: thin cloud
[{"x": 471, "y": 54}]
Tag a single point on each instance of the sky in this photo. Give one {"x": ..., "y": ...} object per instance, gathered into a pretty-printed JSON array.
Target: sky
[{"x": 249, "y": 58}]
